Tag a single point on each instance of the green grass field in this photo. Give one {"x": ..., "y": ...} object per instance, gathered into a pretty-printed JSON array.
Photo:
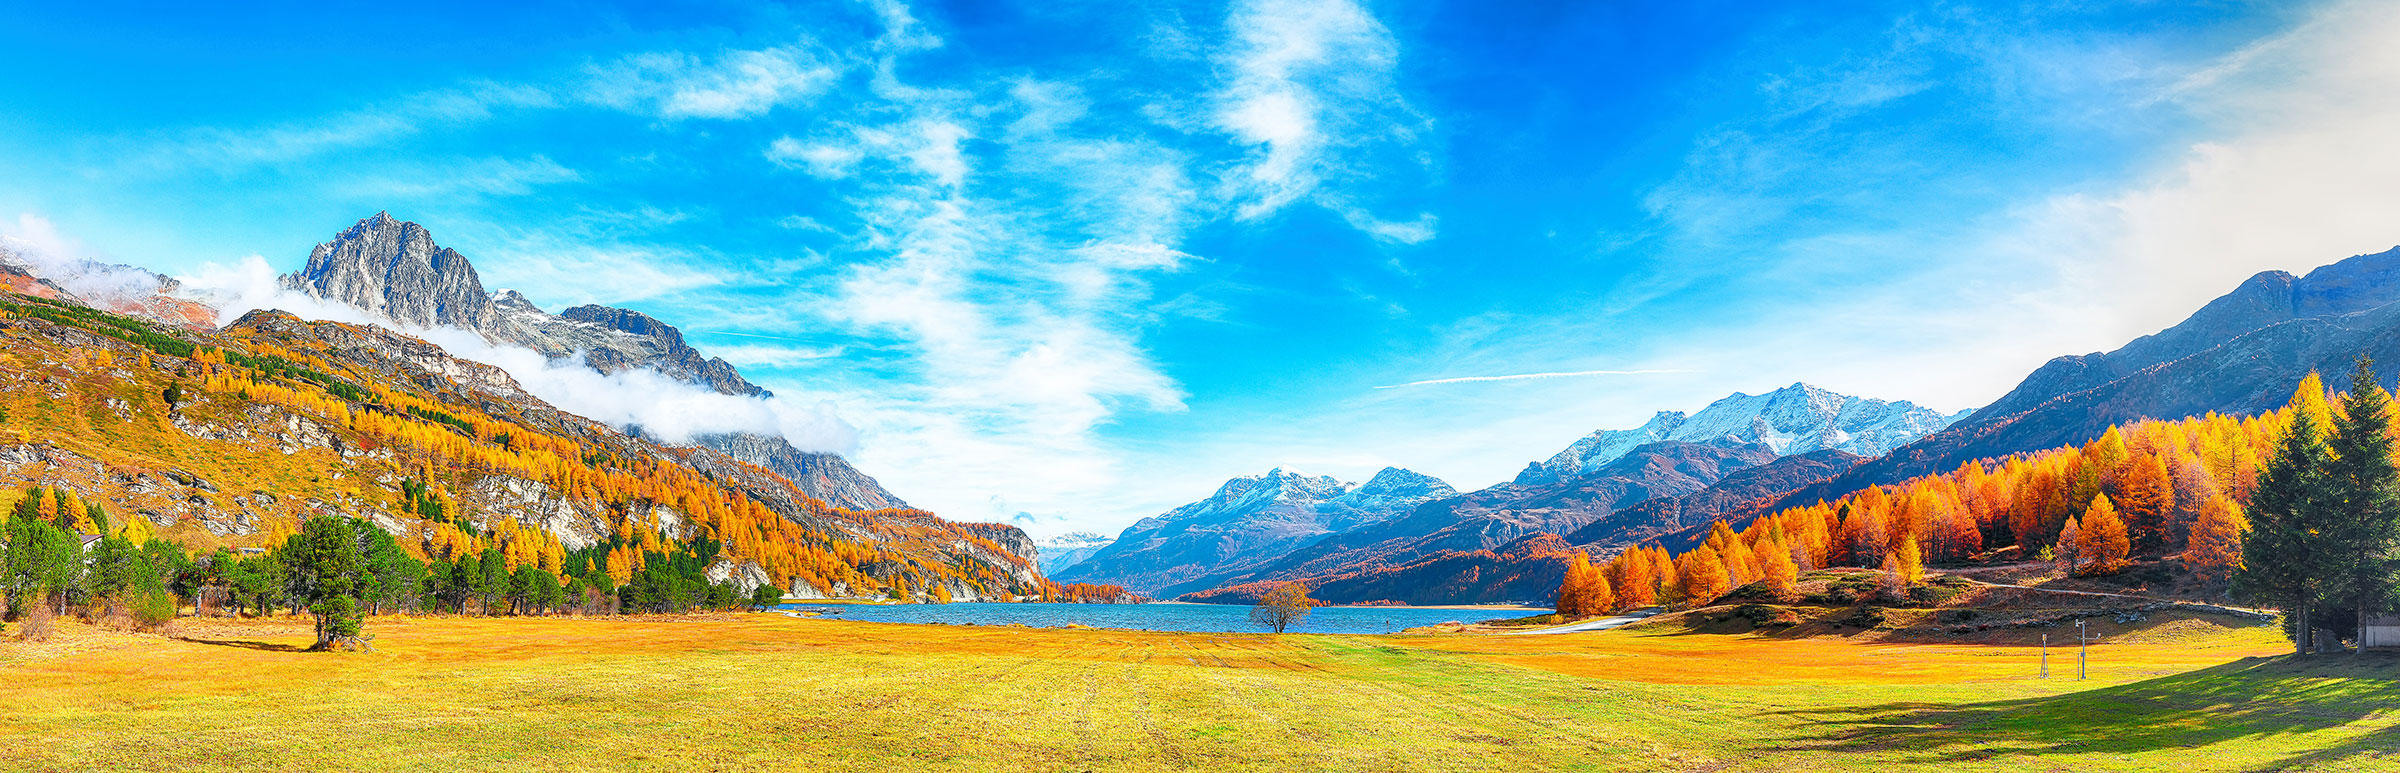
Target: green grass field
[{"x": 756, "y": 692}]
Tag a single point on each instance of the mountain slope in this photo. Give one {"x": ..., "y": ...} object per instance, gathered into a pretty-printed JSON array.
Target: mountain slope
[
  {"x": 2238, "y": 354},
  {"x": 1248, "y": 521},
  {"x": 393, "y": 269},
  {"x": 274, "y": 419}
]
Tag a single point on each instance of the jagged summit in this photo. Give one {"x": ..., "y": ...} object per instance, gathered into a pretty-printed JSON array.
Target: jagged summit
[
  {"x": 1793, "y": 420},
  {"x": 395, "y": 270}
]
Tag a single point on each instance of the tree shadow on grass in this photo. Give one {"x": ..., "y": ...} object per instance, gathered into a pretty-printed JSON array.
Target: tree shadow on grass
[
  {"x": 250, "y": 645},
  {"x": 2248, "y": 698}
]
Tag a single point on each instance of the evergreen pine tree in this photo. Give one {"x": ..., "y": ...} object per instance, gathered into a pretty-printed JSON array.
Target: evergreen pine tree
[
  {"x": 2283, "y": 560},
  {"x": 2363, "y": 527}
]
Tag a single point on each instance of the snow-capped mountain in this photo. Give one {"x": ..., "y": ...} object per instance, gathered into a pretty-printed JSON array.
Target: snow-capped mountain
[
  {"x": 1793, "y": 420},
  {"x": 1065, "y": 550},
  {"x": 1249, "y": 520}
]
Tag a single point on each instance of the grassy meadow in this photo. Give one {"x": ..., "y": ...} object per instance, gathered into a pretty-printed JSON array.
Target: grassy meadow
[{"x": 760, "y": 692}]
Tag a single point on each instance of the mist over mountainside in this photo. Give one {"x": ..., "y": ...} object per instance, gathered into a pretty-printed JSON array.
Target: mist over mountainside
[
  {"x": 1065, "y": 550},
  {"x": 393, "y": 270},
  {"x": 232, "y": 436}
]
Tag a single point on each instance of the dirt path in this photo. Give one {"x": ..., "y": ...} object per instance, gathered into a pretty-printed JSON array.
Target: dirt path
[
  {"x": 2194, "y": 605},
  {"x": 1601, "y": 624}
]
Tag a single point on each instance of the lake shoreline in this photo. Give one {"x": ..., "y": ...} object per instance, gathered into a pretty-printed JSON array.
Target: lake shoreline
[{"x": 1172, "y": 617}]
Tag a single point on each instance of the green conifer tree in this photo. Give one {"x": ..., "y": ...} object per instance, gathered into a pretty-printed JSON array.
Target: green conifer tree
[{"x": 2362, "y": 530}]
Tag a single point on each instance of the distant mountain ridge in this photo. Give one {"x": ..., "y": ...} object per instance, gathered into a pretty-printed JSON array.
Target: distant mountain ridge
[
  {"x": 1612, "y": 486},
  {"x": 1248, "y": 520},
  {"x": 393, "y": 269},
  {"x": 1057, "y": 553},
  {"x": 1793, "y": 420}
]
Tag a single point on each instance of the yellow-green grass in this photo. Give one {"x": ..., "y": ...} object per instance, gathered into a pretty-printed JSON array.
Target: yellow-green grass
[{"x": 758, "y": 692}]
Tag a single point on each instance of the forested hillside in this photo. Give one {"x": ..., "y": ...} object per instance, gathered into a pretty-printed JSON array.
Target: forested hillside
[{"x": 234, "y": 438}]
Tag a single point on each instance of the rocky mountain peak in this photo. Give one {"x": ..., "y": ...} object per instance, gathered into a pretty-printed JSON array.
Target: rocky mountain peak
[
  {"x": 514, "y": 302},
  {"x": 1397, "y": 482},
  {"x": 393, "y": 268},
  {"x": 1795, "y": 419}
]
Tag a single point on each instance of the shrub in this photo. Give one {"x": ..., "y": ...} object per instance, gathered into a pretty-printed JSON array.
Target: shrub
[
  {"x": 34, "y": 625},
  {"x": 151, "y": 608}
]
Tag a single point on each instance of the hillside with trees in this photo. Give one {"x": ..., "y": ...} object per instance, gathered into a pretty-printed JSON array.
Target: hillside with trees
[{"x": 231, "y": 463}]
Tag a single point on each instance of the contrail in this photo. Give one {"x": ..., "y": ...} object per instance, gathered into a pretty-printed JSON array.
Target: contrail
[{"x": 1524, "y": 376}]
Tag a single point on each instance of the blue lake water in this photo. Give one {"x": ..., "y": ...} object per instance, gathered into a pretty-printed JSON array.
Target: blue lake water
[{"x": 1211, "y": 618}]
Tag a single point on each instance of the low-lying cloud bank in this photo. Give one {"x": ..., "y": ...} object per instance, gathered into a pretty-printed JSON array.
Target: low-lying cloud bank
[{"x": 654, "y": 404}]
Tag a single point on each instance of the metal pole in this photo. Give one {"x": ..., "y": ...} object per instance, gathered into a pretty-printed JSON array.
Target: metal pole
[
  {"x": 2045, "y": 656},
  {"x": 2083, "y": 652}
]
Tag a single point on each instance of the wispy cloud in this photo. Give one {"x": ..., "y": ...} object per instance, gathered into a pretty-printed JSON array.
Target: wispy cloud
[
  {"x": 1533, "y": 376},
  {"x": 1310, "y": 86},
  {"x": 220, "y": 147},
  {"x": 474, "y": 176},
  {"x": 730, "y": 84}
]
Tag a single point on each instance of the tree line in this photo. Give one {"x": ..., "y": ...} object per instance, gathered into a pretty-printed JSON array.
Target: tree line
[
  {"x": 2324, "y": 526},
  {"x": 2298, "y": 506},
  {"x": 338, "y": 570}
]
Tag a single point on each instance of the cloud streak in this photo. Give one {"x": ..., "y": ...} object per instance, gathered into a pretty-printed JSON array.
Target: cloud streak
[{"x": 1535, "y": 376}]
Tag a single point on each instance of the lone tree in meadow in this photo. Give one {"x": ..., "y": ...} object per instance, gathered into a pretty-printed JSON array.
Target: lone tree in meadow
[
  {"x": 323, "y": 565},
  {"x": 766, "y": 596},
  {"x": 1283, "y": 607}
]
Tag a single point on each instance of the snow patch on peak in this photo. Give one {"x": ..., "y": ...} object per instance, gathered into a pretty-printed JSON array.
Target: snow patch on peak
[{"x": 1797, "y": 419}]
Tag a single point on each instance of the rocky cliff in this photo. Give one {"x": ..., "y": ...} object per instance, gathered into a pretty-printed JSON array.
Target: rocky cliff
[{"x": 394, "y": 269}]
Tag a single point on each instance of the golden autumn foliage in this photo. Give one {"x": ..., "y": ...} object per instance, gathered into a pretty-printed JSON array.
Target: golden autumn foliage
[
  {"x": 2103, "y": 545},
  {"x": 1585, "y": 591},
  {"x": 2216, "y": 544},
  {"x": 1701, "y": 576},
  {"x": 1907, "y": 563},
  {"x": 440, "y": 436},
  {"x": 2148, "y": 488}
]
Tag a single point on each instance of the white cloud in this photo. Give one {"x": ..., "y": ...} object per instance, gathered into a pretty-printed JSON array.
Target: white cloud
[
  {"x": 671, "y": 410},
  {"x": 733, "y": 84},
  {"x": 1310, "y": 87},
  {"x": 2298, "y": 169},
  {"x": 776, "y": 356},
  {"x": 824, "y": 160},
  {"x": 66, "y": 262}
]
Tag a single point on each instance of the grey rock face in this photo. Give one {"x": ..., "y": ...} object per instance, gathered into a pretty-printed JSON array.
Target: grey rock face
[
  {"x": 394, "y": 269},
  {"x": 665, "y": 351},
  {"x": 826, "y": 476}
]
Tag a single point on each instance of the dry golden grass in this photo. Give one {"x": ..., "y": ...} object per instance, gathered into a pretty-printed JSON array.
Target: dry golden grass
[{"x": 763, "y": 692}]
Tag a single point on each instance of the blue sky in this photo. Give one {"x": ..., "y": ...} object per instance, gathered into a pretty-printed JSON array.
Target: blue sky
[{"x": 1075, "y": 263}]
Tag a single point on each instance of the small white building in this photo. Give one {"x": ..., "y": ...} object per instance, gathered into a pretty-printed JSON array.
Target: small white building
[{"x": 2379, "y": 631}]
